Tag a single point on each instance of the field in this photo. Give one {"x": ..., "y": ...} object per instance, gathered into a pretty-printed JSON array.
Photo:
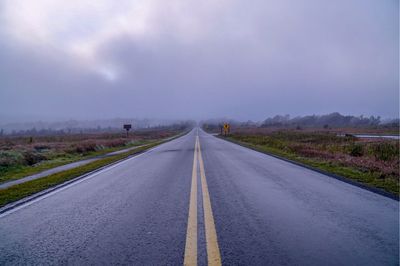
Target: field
[
  {"x": 24, "y": 155},
  {"x": 374, "y": 162}
]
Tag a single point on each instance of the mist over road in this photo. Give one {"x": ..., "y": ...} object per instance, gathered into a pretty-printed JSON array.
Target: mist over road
[{"x": 263, "y": 210}]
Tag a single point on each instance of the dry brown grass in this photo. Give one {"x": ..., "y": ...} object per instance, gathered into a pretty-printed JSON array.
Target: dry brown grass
[
  {"x": 27, "y": 155},
  {"x": 375, "y": 158}
]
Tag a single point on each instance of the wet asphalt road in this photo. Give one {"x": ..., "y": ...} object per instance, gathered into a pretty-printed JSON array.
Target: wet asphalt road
[{"x": 266, "y": 212}]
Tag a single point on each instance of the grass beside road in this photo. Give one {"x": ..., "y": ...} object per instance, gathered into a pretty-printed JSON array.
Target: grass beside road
[
  {"x": 25, "y": 155},
  {"x": 373, "y": 163},
  {"x": 18, "y": 171},
  {"x": 23, "y": 190}
]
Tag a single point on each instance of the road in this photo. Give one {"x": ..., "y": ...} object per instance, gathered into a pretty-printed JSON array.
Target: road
[{"x": 202, "y": 199}]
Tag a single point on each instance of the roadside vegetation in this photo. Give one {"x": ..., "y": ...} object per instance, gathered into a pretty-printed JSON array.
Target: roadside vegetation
[
  {"x": 373, "y": 162},
  {"x": 23, "y": 190},
  {"x": 22, "y": 156}
]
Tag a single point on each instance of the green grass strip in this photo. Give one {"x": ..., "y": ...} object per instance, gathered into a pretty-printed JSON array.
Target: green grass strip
[
  {"x": 19, "y": 171},
  {"x": 29, "y": 188}
]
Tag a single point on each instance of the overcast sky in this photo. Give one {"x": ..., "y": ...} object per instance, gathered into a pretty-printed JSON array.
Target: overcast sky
[{"x": 197, "y": 59}]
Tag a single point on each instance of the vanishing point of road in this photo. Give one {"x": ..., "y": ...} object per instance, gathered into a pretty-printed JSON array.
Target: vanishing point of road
[{"x": 202, "y": 200}]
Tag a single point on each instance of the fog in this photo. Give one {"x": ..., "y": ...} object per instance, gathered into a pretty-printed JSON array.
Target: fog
[{"x": 197, "y": 59}]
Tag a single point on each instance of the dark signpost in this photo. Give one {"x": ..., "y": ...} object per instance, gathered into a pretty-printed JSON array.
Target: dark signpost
[{"x": 127, "y": 127}]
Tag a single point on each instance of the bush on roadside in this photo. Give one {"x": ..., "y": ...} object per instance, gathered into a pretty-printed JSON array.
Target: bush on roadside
[
  {"x": 85, "y": 147},
  {"x": 385, "y": 151},
  {"x": 356, "y": 150},
  {"x": 31, "y": 157},
  {"x": 11, "y": 158},
  {"x": 114, "y": 143},
  {"x": 41, "y": 147}
]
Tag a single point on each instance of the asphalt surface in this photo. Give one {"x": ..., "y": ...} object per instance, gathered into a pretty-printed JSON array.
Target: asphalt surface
[{"x": 266, "y": 212}]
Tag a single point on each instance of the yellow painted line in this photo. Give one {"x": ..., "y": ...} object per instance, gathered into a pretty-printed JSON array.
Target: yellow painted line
[
  {"x": 191, "y": 233},
  {"x": 213, "y": 254}
]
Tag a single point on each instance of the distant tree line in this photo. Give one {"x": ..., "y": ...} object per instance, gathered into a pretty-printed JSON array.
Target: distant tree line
[
  {"x": 77, "y": 130},
  {"x": 84, "y": 126},
  {"x": 333, "y": 120},
  {"x": 326, "y": 121},
  {"x": 56, "y": 132}
]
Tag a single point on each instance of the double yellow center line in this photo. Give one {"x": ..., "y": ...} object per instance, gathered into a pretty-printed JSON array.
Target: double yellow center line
[{"x": 213, "y": 254}]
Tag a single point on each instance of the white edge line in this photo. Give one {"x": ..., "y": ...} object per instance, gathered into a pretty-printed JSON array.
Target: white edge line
[{"x": 73, "y": 183}]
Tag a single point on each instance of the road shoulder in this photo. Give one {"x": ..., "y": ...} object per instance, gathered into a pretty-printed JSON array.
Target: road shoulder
[{"x": 338, "y": 177}]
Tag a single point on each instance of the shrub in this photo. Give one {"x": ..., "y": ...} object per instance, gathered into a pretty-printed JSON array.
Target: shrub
[
  {"x": 85, "y": 147},
  {"x": 356, "y": 150},
  {"x": 32, "y": 158},
  {"x": 11, "y": 158},
  {"x": 41, "y": 147},
  {"x": 385, "y": 151},
  {"x": 115, "y": 143}
]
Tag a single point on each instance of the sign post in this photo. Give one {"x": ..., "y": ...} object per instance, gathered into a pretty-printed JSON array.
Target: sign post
[
  {"x": 127, "y": 127},
  {"x": 227, "y": 129}
]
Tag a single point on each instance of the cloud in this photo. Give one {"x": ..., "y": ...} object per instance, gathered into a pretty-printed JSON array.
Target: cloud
[{"x": 185, "y": 59}]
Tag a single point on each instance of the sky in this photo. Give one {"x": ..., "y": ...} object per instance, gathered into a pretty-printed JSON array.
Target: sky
[{"x": 79, "y": 59}]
